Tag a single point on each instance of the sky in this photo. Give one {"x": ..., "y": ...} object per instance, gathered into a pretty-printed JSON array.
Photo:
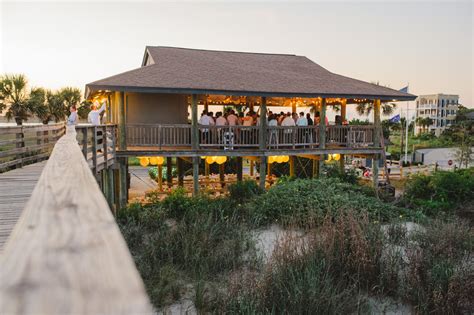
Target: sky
[{"x": 426, "y": 44}]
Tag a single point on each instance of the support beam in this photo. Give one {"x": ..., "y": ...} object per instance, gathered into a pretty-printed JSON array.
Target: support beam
[
  {"x": 206, "y": 169},
  {"x": 196, "y": 175},
  {"x": 120, "y": 97},
  {"x": 377, "y": 135},
  {"x": 343, "y": 118},
  {"x": 123, "y": 183},
  {"x": 194, "y": 122},
  {"x": 293, "y": 107},
  {"x": 239, "y": 168},
  {"x": 159, "y": 178},
  {"x": 179, "y": 166},
  {"x": 169, "y": 171},
  {"x": 251, "y": 167},
  {"x": 292, "y": 166},
  {"x": 222, "y": 175},
  {"x": 315, "y": 168},
  {"x": 322, "y": 132},
  {"x": 263, "y": 171},
  {"x": 110, "y": 189},
  {"x": 263, "y": 124}
]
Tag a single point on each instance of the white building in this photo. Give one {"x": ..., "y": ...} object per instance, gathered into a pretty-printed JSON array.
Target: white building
[{"x": 441, "y": 108}]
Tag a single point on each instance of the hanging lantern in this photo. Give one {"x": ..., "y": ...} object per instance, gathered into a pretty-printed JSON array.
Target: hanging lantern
[
  {"x": 329, "y": 158},
  {"x": 144, "y": 161},
  {"x": 153, "y": 160},
  {"x": 160, "y": 160},
  {"x": 271, "y": 159},
  {"x": 279, "y": 159},
  {"x": 286, "y": 158},
  {"x": 336, "y": 156},
  {"x": 210, "y": 159},
  {"x": 221, "y": 159},
  {"x": 203, "y": 157}
]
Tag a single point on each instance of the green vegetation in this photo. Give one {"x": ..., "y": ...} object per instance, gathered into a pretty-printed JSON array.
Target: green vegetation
[{"x": 352, "y": 247}]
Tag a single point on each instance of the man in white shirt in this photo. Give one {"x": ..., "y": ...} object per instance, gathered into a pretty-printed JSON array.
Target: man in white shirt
[
  {"x": 288, "y": 121},
  {"x": 232, "y": 118},
  {"x": 220, "y": 120},
  {"x": 302, "y": 121},
  {"x": 94, "y": 114},
  {"x": 205, "y": 120}
]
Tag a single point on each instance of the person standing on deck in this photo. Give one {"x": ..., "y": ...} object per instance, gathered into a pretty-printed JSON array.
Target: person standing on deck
[
  {"x": 72, "y": 119},
  {"x": 94, "y": 114},
  {"x": 302, "y": 121},
  {"x": 232, "y": 119}
]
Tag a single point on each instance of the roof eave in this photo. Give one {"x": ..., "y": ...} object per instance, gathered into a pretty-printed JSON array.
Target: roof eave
[{"x": 95, "y": 87}]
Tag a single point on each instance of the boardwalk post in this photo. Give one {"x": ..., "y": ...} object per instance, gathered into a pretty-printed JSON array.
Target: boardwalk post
[
  {"x": 322, "y": 134},
  {"x": 84, "y": 142},
  {"x": 195, "y": 142},
  {"x": 20, "y": 143},
  {"x": 377, "y": 133},
  {"x": 262, "y": 141},
  {"x": 169, "y": 172},
  {"x": 179, "y": 166},
  {"x": 343, "y": 118},
  {"x": 239, "y": 168},
  {"x": 94, "y": 150},
  {"x": 123, "y": 182},
  {"x": 292, "y": 166}
]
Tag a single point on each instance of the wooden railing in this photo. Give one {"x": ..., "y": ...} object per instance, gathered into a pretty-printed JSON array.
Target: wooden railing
[
  {"x": 21, "y": 145},
  {"x": 98, "y": 145},
  {"x": 242, "y": 137},
  {"x": 66, "y": 254}
]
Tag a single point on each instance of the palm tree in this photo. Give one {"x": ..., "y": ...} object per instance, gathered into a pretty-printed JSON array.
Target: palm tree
[
  {"x": 14, "y": 97},
  {"x": 366, "y": 108},
  {"x": 39, "y": 104},
  {"x": 70, "y": 96}
]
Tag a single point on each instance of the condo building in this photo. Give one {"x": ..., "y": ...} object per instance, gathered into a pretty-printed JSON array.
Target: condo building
[{"x": 441, "y": 108}]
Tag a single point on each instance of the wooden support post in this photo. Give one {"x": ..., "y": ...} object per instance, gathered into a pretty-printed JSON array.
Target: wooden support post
[
  {"x": 239, "y": 168},
  {"x": 343, "y": 118},
  {"x": 179, "y": 166},
  {"x": 322, "y": 133},
  {"x": 251, "y": 168},
  {"x": 123, "y": 183},
  {"x": 122, "y": 143},
  {"x": 94, "y": 150},
  {"x": 84, "y": 142},
  {"x": 377, "y": 134},
  {"x": 169, "y": 172},
  {"x": 110, "y": 190},
  {"x": 222, "y": 175},
  {"x": 196, "y": 175},
  {"x": 315, "y": 168},
  {"x": 263, "y": 124},
  {"x": 206, "y": 169},
  {"x": 292, "y": 166},
  {"x": 269, "y": 171},
  {"x": 159, "y": 178},
  {"x": 194, "y": 123},
  {"x": 263, "y": 171},
  {"x": 20, "y": 138},
  {"x": 109, "y": 109},
  {"x": 293, "y": 107}
]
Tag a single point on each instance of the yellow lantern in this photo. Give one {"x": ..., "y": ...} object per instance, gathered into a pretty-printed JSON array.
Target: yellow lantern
[
  {"x": 329, "y": 158},
  {"x": 160, "y": 160},
  {"x": 286, "y": 158},
  {"x": 153, "y": 160},
  {"x": 203, "y": 157},
  {"x": 271, "y": 159},
  {"x": 221, "y": 159},
  {"x": 210, "y": 159},
  {"x": 144, "y": 161},
  {"x": 279, "y": 159},
  {"x": 336, "y": 156}
]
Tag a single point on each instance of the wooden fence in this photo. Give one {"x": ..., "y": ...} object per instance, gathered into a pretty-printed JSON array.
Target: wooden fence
[
  {"x": 21, "y": 145},
  {"x": 66, "y": 254}
]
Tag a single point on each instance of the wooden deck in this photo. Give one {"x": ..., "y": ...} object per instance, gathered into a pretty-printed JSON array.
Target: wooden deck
[{"x": 16, "y": 187}]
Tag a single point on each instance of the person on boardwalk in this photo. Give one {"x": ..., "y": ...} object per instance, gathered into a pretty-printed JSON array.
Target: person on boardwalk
[
  {"x": 72, "y": 119},
  {"x": 94, "y": 114}
]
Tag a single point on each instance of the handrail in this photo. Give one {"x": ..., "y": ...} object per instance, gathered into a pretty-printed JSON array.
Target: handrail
[
  {"x": 26, "y": 144},
  {"x": 66, "y": 254}
]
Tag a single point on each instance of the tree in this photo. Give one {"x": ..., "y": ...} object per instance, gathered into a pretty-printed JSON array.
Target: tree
[
  {"x": 366, "y": 108},
  {"x": 70, "y": 96},
  {"x": 14, "y": 97}
]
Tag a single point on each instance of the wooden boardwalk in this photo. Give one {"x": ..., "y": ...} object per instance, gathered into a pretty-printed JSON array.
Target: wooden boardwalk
[{"x": 16, "y": 187}]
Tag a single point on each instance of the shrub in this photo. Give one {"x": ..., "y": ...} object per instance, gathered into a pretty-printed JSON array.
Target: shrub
[
  {"x": 442, "y": 191},
  {"x": 245, "y": 190},
  {"x": 307, "y": 202}
]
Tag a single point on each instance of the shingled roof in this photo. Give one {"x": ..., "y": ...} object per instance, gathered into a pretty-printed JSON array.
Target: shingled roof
[{"x": 182, "y": 70}]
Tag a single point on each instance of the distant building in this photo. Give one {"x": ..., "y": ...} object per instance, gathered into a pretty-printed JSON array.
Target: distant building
[{"x": 441, "y": 108}]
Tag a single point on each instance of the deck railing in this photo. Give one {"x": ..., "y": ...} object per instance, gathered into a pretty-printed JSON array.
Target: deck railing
[
  {"x": 247, "y": 137},
  {"x": 21, "y": 145},
  {"x": 66, "y": 254},
  {"x": 98, "y": 145}
]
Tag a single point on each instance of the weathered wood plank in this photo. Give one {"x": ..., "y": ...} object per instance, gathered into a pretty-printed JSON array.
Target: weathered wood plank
[{"x": 66, "y": 254}]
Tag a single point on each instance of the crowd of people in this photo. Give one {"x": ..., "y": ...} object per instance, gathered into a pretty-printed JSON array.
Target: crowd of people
[{"x": 252, "y": 118}]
